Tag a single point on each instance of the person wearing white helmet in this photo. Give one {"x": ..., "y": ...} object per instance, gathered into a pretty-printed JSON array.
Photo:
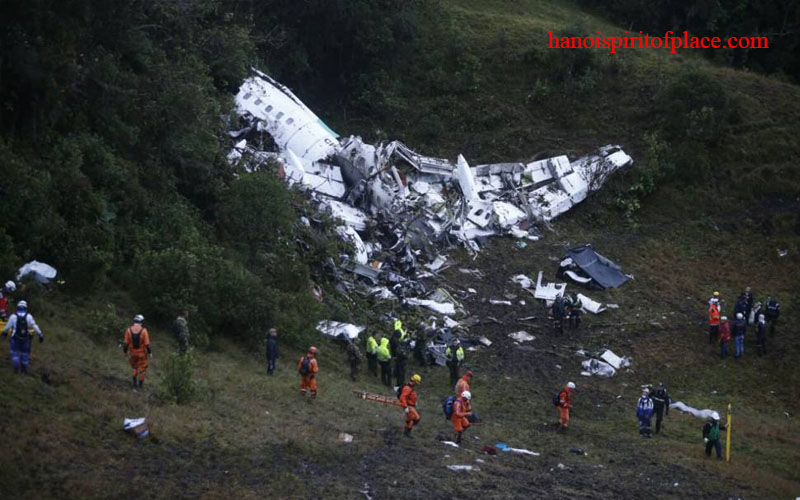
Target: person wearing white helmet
[
  {"x": 20, "y": 324},
  {"x": 711, "y": 435},
  {"x": 644, "y": 412},
  {"x": 564, "y": 403},
  {"x": 739, "y": 328},
  {"x": 462, "y": 411},
  {"x": 137, "y": 349}
]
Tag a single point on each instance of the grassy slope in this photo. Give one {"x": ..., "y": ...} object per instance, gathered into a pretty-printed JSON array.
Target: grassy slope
[{"x": 250, "y": 436}]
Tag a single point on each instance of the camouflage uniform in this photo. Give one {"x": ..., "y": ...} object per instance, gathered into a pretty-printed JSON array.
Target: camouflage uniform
[{"x": 181, "y": 330}]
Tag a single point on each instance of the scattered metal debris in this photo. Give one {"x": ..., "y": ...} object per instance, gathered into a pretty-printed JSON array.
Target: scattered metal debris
[
  {"x": 336, "y": 329},
  {"x": 590, "y": 269},
  {"x": 402, "y": 211},
  {"x": 521, "y": 336}
]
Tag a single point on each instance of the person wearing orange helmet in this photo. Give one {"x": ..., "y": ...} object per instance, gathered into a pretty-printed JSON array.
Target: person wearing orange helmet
[
  {"x": 408, "y": 401},
  {"x": 137, "y": 349},
  {"x": 307, "y": 368}
]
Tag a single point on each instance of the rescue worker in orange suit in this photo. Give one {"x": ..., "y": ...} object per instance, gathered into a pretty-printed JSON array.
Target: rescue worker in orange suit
[
  {"x": 564, "y": 405},
  {"x": 713, "y": 319},
  {"x": 463, "y": 383},
  {"x": 408, "y": 400},
  {"x": 137, "y": 349},
  {"x": 462, "y": 410},
  {"x": 307, "y": 368}
]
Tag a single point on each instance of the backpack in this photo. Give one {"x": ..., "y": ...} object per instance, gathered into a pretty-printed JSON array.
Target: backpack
[
  {"x": 447, "y": 406},
  {"x": 21, "y": 329},
  {"x": 557, "y": 398},
  {"x": 305, "y": 366},
  {"x": 400, "y": 390}
]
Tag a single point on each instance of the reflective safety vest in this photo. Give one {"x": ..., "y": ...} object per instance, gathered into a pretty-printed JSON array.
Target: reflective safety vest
[
  {"x": 398, "y": 327},
  {"x": 383, "y": 350},
  {"x": 372, "y": 345},
  {"x": 459, "y": 354}
]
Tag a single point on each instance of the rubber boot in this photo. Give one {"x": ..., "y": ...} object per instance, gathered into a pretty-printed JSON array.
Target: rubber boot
[
  {"x": 313, "y": 394},
  {"x": 134, "y": 381},
  {"x": 141, "y": 383},
  {"x": 407, "y": 433},
  {"x": 24, "y": 369},
  {"x": 458, "y": 437}
]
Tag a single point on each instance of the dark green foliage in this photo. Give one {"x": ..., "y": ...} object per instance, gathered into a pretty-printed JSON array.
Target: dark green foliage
[
  {"x": 775, "y": 19},
  {"x": 105, "y": 325},
  {"x": 179, "y": 383},
  {"x": 114, "y": 163}
]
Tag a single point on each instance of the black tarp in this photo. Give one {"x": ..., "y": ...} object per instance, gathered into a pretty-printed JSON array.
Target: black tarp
[{"x": 605, "y": 273}]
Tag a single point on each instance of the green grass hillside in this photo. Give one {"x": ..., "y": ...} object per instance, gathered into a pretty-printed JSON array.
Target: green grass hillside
[{"x": 722, "y": 199}]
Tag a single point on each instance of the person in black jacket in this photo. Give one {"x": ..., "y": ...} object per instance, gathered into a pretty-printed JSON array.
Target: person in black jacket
[
  {"x": 272, "y": 350},
  {"x": 761, "y": 334},
  {"x": 772, "y": 309},
  {"x": 660, "y": 404}
]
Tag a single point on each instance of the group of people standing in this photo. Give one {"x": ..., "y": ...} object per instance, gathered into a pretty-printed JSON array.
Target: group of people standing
[
  {"x": 747, "y": 312},
  {"x": 652, "y": 402}
]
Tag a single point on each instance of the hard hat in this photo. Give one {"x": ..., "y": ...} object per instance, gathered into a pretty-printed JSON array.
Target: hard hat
[
  {"x": 22, "y": 305},
  {"x": 571, "y": 385},
  {"x": 416, "y": 378},
  {"x": 466, "y": 395},
  {"x": 646, "y": 391},
  {"x": 739, "y": 315},
  {"x": 761, "y": 318},
  {"x": 10, "y": 286},
  {"x": 138, "y": 318},
  {"x": 724, "y": 318},
  {"x": 716, "y": 294},
  {"x": 715, "y": 416},
  {"x": 312, "y": 350}
]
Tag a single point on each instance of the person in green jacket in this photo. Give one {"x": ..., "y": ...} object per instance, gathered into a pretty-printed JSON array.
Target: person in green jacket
[
  {"x": 385, "y": 360},
  {"x": 711, "y": 435},
  {"x": 455, "y": 358},
  {"x": 372, "y": 353}
]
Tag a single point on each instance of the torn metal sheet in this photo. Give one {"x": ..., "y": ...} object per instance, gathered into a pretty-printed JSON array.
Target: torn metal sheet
[
  {"x": 521, "y": 336},
  {"x": 523, "y": 281},
  {"x": 337, "y": 329},
  {"x": 347, "y": 233},
  {"x": 612, "y": 359},
  {"x": 595, "y": 367},
  {"x": 549, "y": 291},
  {"x": 440, "y": 307},
  {"x": 603, "y": 272},
  {"x": 351, "y": 216},
  {"x": 466, "y": 180}
]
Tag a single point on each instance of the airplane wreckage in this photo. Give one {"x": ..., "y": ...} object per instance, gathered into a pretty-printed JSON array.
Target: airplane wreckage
[{"x": 401, "y": 210}]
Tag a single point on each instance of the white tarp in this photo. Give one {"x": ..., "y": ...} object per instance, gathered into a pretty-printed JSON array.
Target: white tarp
[
  {"x": 680, "y": 406},
  {"x": 337, "y": 329},
  {"x": 43, "y": 273}
]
